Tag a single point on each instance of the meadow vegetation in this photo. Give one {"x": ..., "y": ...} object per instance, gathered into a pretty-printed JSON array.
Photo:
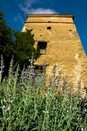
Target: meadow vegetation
[{"x": 28, "y": 104}]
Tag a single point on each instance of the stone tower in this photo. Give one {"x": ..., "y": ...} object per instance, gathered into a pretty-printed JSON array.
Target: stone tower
[{"x": 59, "y": 44}]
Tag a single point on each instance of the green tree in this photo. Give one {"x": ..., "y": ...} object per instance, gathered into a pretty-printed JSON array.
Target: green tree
[
  {"x": 6, "y": 35},
  {"x": 24, "y": 47},
  {"x": 6, "y": 42},
  {"x": 18, "y": 44}
]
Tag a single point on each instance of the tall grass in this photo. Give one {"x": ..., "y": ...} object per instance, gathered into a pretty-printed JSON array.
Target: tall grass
[{"x": 36, "y": 107}]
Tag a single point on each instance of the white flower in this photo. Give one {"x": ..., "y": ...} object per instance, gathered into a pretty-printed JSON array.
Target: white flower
[{"x": 46, "y": 112}]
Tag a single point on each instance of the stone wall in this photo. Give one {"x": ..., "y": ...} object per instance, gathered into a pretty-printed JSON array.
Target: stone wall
[{"x": 64, "y": 47}]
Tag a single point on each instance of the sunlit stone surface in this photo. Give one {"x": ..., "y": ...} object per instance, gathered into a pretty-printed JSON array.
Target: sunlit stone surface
[{"x": 60, "y": 45}]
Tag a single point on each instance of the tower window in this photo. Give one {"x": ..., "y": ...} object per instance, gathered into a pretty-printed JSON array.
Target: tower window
[
  {"x": 42, "y": 46},
  {"x": 70, "y": 30},
  {"x": 49, "y": 21},
  {"x": 49, "y": 28}
]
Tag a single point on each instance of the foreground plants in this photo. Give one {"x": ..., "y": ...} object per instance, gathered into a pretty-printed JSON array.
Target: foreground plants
[{"x": 36, "y": 107}]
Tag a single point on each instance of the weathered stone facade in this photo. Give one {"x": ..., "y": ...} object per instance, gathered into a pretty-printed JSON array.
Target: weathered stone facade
[{"x": 61, "y": 44}]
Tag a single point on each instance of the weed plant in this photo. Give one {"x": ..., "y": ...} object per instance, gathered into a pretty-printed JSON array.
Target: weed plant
[{"x": 28, "y": 105}]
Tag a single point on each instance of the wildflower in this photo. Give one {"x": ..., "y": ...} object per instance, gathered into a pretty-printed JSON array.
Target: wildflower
[
  {"x": 8, "y": 108},
  {"x": 45, "y": 112}
]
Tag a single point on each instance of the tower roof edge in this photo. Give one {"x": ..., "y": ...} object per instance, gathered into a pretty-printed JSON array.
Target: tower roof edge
[{"x": 50, "y": 15}]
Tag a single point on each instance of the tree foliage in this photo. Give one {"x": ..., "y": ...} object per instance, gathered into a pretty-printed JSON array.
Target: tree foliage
[
  {"x": 24, "y": 47},
  {"x": 17, "y": 44},
  {"x": 6, "y": 34}
]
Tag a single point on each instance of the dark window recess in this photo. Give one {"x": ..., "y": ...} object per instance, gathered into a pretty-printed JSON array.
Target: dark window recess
[
  {"x": 40, "y": 68},
  {"x": 42, "y": 46},
  {"x": 49, "y": 28},
  {"x": 49, "y": 21}
]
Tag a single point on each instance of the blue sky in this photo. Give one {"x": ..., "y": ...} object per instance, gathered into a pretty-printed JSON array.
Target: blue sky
[{"x": 15, "y": 12}]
